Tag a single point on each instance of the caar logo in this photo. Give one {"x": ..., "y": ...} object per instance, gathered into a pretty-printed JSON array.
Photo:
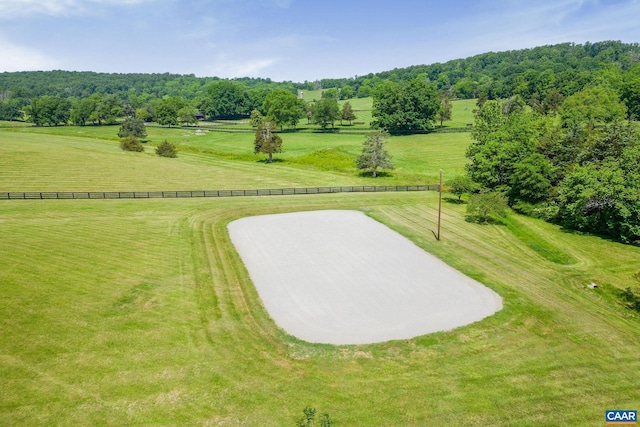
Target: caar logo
[{"x": 618, "y": 417}]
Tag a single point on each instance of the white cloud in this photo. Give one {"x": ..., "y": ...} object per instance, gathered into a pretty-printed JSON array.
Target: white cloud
[
  {"x": 19, "y": 58},
  {"x": 241, "y": 68},
  {"x": 16, "y": 8},
  {"x": 10, "y": 8}
]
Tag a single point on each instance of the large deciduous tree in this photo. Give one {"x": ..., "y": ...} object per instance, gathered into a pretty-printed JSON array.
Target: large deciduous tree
[
  {"x": 10, "y": 110},
  {"x": 283, "y": 107},
  {"x": 108, "y": 108},
  {"x": 631, "y": 92},
  {"x": 532, "y": 179},
  {"x": 326, "y": 111},
  {"x": 49, "y": 110},
  {"x": 485, "y": 207},
  {"x": 374, "y": 156},
  {"x": 593, "y": 105},
  {"x": 332, "y": 93},
  {"x": 347, "y": 92},
  {"x": 187, "y": 115},
  {"x": 266, "y": 140},
  {"x": 604, "y": 198},
  {"x": 405, "y": 107},
  {"x": 167, "y": 111},
  {"x": 225, "y": 100},
  {"x": 601, "y": 194},
  {"x": 83, "y": 110},
  {"x": 501, "y": 141},
  {"x": 144, "y": 114}
]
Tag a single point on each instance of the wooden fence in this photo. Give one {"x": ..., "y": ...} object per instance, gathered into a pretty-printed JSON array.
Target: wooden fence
[{"x": 55, "y": 195}]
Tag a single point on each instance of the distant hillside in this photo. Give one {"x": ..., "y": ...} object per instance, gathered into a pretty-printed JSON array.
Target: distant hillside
[
  {"x": 81, "y": 84},
  {"x": 567, "y": 67}
]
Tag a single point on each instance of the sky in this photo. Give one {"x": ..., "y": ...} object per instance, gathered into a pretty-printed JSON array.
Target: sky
[{"x": 295, "y": 40}]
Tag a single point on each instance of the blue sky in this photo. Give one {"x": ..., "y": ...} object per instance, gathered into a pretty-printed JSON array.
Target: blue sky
[{"x": 294, "y": 40}]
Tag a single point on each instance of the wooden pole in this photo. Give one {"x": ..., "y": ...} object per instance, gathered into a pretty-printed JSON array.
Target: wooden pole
[{"x": 439, "y": 204}]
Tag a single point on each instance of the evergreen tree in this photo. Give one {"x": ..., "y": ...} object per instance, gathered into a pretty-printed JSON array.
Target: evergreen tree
[
  {"x": 374, "y": 156},
  {"x": 167, "y": 149},
  {"x": 256, "y": 118},
  {"x": 132, "y": 127},
  {"x": 347, "y": 113}
]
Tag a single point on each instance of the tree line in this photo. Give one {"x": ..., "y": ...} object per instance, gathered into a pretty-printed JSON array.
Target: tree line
[
  {"x": 222, "y": 100},
  {"x": 577, "y": 164},
  {"x": 397, "y": 108},
  {"x": 566, "y": 67},
  {"x": 533, "y": 74}
]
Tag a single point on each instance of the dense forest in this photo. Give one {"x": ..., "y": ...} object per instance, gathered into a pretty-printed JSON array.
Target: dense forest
[
  {"x": 81, "y": 84},
  {"x": 566, "y": 67},
  {"x": 579, "y": 166}
]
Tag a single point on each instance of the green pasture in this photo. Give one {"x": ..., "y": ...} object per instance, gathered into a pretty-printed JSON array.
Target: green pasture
[
  {"x": 462, "y": 114},
  {"x": 140, "y": 312},
  {"x": 311, "y": 95},
  {"x": 30, "y": 157},
  {"x": 13, "y": 124}
]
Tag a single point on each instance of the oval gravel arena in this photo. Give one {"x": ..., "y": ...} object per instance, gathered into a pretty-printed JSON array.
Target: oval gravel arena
[{"x": 340, "y": 277}]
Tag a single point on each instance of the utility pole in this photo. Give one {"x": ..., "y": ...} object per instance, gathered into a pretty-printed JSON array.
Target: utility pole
[{"x": 439, "y": 205}]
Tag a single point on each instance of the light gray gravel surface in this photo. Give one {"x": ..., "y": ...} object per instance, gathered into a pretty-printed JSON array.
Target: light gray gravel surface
[{"x": 340, "y": 277}]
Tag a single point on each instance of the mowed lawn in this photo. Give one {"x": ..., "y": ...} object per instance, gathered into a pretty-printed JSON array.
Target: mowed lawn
[
  {"x": 79, "y": 158},
  {"x": 140, "y": 312}
]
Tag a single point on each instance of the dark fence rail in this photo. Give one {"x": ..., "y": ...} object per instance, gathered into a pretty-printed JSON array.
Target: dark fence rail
[{"x": 55, "y": 195}]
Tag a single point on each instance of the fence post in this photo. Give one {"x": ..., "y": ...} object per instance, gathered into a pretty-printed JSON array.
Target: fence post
[{"x": 439, "y": 204}]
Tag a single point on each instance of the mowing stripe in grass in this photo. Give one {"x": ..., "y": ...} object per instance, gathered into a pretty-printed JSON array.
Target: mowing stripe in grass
[{"x": 537, "y": 242}]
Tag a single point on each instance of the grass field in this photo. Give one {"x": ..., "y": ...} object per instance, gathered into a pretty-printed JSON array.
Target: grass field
[
  {"x": 462, "y": 114},
  {"x": 209, "y": 160},
  {"x": 140, "y": 312}
]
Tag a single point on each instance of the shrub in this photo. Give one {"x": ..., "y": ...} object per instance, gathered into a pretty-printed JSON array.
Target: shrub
[
  {"x": 632, "y": 298},
  {"x": 132, "y": 127},
  {"x": 309, "y": 418},
  {"x": 461, "y": 184},
  {"x": 543, "y": 210},
  {"x": 131, "y": 143},
  {"x": 166, "y": 149},
  {"x": 487, "y": 207}
]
